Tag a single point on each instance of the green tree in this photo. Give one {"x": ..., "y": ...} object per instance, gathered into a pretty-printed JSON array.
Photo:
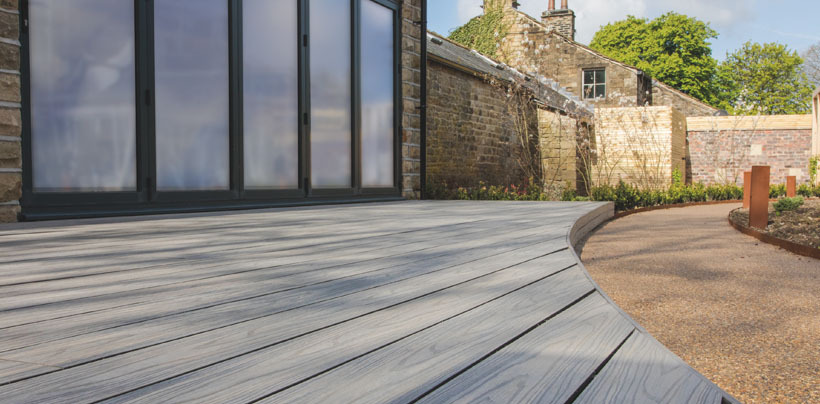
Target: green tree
[
  {"x": 672, "y": 48},
  {"x": 483, "y": 33},
  {"x": 764, "y": 79}
]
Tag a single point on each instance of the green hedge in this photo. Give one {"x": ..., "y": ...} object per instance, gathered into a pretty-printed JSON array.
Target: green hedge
[{"x": 625, "y": 196}]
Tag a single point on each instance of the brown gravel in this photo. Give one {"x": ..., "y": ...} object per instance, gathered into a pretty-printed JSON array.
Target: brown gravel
[
  {"x": 744, "y": 313},
  {"x": 801, "y": 226}
]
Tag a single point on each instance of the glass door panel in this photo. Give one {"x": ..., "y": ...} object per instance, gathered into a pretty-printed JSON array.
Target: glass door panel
[
  {"x": 191, "y": 45},
  {"x": 83, "y": 112},
  {"x": 377, "y": 95},
  {"x": 271, "y": 94},
  {"x": 330, "y": 94}
]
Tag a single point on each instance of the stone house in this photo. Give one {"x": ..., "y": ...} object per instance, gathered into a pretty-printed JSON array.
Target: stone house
[
  {"x": 150, "y": 106},
  {"x": 483, "y": 118},
  {"x": 548, "y": 47}
]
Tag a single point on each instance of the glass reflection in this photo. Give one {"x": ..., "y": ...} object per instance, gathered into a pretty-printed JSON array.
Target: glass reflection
[
  {"x": 271, "y": 94},
  {"x": 192, "y": 101},
  {"x": 330, "y": 90},
  {"x": 377, "y": 95},
  {"x": 83, "y": 95}
]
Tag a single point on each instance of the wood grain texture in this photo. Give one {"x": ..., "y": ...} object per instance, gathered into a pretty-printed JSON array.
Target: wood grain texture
[
  {"x": 644, "y": 371},
  {"x": 260, "y": 373},
  {"x": 11, "y": 370},
  {"x": 377, "y": 302},
  {"x": 404, "y": 370},
  {"x": 546, "y": 365}
]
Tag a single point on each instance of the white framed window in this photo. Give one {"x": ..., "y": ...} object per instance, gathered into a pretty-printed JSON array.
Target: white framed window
[{"x": 594, "y": 83}]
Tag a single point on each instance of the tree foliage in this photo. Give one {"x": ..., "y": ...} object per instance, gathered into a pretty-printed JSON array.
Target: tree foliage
[
  {"x": 672, "y": 48},
  {"x": 483, "y": 33},
  {"x": 764, "y": 79}
]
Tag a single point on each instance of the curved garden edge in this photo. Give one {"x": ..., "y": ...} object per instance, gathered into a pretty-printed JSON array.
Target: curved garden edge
[
  {"x": 789, "y": 246},
  {"x": 584, "y": 227},
  {"x": 625, "y": 213}
]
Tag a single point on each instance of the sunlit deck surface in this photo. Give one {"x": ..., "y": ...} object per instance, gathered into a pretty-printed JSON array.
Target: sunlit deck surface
[{"x": 399, "y": 302}]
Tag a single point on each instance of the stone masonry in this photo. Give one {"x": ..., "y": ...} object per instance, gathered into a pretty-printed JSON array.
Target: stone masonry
[
  {"x": 548, "y": 48},
  {"x": 470, "y": 133},
  {"x": 722, "y": 148},
  {"x": 641, "y": 146},
  {"x": 412, "y": 36},
  {"x": 10, "y": 117}
]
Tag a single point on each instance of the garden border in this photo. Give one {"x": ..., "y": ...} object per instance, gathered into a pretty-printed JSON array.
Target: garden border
[
  {"x": 789, "y": 246},
  {"x": 625, "y": 213}
]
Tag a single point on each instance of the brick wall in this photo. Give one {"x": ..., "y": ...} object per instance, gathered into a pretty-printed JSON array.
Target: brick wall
[
  {"x": 470, "y": 133},
  {"x": 10, "y": 120},
  {"x": 641, "y": 145},
  {"x": 722, "y": 148},
  {"x": 411, "y": 91}
]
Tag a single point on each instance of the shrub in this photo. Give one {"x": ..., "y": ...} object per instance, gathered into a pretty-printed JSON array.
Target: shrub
[
  {"x": 788, "y": 204},
  {"x": 777, "y": 190},
  {"x": 805, "y": 191}
]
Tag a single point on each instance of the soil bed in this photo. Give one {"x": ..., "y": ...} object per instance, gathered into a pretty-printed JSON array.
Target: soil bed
[{"x": 801, "y": 226}]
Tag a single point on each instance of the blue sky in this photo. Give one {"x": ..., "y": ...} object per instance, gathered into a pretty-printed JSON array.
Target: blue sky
[{"x": 795, "y": 23}]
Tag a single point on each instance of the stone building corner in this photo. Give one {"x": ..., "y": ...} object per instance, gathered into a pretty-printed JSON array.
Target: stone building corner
[
  {"x": 412, "y": 36},
  {"x": 11, "y": 159}
]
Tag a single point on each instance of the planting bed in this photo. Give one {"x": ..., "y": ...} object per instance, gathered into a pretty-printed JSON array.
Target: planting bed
[{"x": 801, "y": 226}]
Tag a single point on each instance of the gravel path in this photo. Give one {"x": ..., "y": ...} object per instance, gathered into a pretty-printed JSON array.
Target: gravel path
[{"x": 743, "y": 313}]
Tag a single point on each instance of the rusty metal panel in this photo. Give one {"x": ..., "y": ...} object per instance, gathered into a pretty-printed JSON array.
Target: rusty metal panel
[
  {"x": 747, "y": 189},
  {"x": 759, "y": 207}
]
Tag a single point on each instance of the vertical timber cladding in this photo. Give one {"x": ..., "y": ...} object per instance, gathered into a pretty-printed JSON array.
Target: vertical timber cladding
[
  {"x": 10, "y": 117},
  {"x": 111, "y": 133}
]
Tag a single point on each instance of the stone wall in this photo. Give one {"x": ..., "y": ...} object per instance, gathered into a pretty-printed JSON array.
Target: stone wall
[
  {"x": 641, "y": 146},
  {"x": 470, "y": 131},
  {"x": 662, "y": 94},
  {"x": 10, "y": 119},
  {"x": 558, "y": 136},
  {"x": 722, "y": 148},
  {"x": 412, "y": 36}
]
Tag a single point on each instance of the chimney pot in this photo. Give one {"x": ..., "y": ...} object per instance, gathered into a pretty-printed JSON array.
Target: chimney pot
[
  {"x": 564, "y": 5},
  {"x": 551, "y": 6}
]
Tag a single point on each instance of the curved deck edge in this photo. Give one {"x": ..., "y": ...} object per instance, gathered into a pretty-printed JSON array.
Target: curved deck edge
[{"x": 584, "y": 226}]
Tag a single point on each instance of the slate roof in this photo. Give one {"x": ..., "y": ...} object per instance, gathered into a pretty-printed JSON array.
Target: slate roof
[{"x": 545, "y": 90}]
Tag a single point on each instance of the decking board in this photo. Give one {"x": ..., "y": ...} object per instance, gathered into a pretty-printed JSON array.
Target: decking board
[{"x": 447, "y": 301}]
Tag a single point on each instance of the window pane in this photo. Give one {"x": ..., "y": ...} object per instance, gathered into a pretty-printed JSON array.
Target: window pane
[
  {"x": 600, "y": 76},
  {"x": 192, "y": 132},
  {"x": 330, "y": 91},
  {"x": 83, "y": 95},
  {"x": 589, "y": 76},
  {"x": 377, "y": 95},
  {"x": 271, "y": 94},
  {"x": 589, "y": 91},
  {"x": 600, "y": 90}
]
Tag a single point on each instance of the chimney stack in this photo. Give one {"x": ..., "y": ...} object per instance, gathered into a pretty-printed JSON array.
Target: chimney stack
[{"x": 561, "y": 21}]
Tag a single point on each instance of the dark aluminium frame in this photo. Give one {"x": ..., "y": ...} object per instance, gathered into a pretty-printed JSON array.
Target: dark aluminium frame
[{"x": 147, "y": 200}]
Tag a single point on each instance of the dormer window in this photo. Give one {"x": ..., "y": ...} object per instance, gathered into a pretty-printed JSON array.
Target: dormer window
[{"x": 594, "y": 83}]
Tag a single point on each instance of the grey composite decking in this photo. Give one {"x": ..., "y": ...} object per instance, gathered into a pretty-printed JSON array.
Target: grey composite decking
[{"x": 399, "y": 302}]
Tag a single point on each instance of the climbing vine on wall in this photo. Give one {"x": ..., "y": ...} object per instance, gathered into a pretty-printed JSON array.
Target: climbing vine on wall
[{"x": 483, "y": 33}]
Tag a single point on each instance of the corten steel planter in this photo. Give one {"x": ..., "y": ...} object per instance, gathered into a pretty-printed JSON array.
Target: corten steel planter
[
  {"x": 791, "y": 186},
  {"x": 759, "y": 205},
  {"x": 747, "y": 188}
]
